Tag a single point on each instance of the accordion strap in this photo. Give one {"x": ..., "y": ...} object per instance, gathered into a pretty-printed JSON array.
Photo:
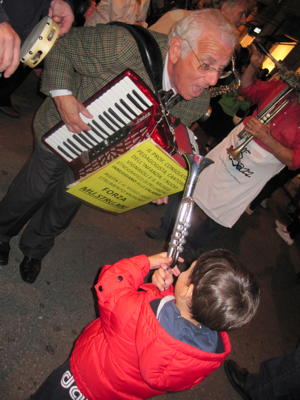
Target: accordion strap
[{"x": 150, "y": 52}]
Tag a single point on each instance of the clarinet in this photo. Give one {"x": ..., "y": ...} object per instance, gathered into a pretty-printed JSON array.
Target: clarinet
[{"x": 196, "y": 164}]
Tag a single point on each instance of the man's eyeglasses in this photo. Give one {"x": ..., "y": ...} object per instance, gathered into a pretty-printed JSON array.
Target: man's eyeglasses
[{"x": 204, "y": 67}]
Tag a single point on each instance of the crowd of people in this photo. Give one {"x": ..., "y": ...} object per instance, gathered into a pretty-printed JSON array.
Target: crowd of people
[{"x": 168, "y": 336}]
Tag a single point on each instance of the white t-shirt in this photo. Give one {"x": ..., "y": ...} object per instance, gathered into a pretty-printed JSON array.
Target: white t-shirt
[{"x": 226, "y": 188}]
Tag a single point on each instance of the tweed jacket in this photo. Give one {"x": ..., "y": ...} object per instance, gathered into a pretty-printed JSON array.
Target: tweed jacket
[{"x": 87, "y": 58}]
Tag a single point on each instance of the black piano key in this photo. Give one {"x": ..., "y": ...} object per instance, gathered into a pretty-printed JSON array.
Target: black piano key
[
  {"x": 74, "y": 146},
  {"x": 91, "y": 137},
  {"x": 140, "y": 98},
  {"x": 99, "y": 130},
  {"x": 107, "y": 123},
  {"x": 116, "y": 116},
  {"x": 128, "y": 108},
  {"x": 112, "y": 120},
  {"x": 65, "y": 152},
  {"x": 123, "y": 111},
  {"x": 133, "y": 101},
  {"x": 84, "y": 138},
  {"x": 76, "y": 137},
  {"x": 71, "y": 149}
]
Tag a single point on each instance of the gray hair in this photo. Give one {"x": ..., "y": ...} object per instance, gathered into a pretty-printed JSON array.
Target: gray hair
[{"x": 195, "y": 25}]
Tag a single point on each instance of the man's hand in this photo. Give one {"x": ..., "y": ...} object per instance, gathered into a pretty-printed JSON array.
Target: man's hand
[
  {"x": 9, "y": 49},
  {"x": 163, "y": 276},
  {"x": 69, "y": 109},
  {"x": 259, "y": 130},
  {"x": 62, "y": 13},
  {"x": 263, "y": 133},
  {"x": 163, "y": 200}
]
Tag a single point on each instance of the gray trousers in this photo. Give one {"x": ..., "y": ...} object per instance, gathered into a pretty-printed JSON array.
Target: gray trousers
[{"x": 37, "y": 197}]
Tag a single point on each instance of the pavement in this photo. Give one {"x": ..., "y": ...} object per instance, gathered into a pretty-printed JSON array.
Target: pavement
[{"x": 39, "y": 322}]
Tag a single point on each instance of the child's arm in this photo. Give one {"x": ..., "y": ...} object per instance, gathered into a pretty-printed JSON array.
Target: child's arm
[{"x": 126, "y": 277}]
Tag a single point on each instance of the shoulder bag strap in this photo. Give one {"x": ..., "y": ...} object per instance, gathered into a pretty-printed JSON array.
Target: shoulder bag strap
[{"x": 149, "y": 50}]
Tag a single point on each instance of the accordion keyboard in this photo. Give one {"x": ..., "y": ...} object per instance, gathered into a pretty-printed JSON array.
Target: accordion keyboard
[{"x": 113, "y": 113}]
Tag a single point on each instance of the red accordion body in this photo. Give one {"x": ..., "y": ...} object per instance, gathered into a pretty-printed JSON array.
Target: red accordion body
[{"x": 125, "y": 112}]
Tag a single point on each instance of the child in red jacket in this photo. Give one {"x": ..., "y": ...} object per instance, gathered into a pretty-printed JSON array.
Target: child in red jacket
[{"x": 153, "y": 338}]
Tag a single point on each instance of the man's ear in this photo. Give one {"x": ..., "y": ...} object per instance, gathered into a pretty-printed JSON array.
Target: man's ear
[{"x": 175, "y": 49}]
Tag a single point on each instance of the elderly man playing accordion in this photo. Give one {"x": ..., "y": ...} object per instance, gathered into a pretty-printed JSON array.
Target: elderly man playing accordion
[{"x": 80, "y": 64}]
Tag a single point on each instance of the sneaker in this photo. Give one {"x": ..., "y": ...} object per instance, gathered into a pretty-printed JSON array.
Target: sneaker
[
  {"x": 285, "y": 236},
  {"x": 280, "y": 225},
  {"x": 156, "y": 233}
]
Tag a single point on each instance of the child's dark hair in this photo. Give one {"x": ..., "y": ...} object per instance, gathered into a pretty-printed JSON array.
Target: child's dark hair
[{"x": 225, "y": 295}]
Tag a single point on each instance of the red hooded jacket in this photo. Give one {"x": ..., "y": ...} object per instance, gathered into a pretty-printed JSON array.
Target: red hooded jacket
[{"x": 126, "y": 354}]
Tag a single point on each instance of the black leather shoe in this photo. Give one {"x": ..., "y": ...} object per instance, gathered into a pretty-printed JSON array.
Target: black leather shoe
[
  {"x": 10, "y": 111},
  {"x": 237, "y": 377},
  {"x": 29, "y": 269},
  {"x": 156, "y": 233},
  {"x": 4, "y": 253}
]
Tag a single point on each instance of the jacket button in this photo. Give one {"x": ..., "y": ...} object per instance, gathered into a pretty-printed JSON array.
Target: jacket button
[
  {"x": 100, "y": 288},
  {"x": 120, "y": 278}
]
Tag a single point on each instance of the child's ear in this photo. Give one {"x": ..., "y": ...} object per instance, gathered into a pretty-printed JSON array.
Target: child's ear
[{"x": 189, "y": 291}]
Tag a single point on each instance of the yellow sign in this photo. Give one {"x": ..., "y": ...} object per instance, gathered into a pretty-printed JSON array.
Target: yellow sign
[{"x": 144, "y": 173}]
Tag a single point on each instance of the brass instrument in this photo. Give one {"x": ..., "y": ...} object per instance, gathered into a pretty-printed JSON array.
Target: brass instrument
[
  {"x": 265, "y": 116},
  {"x": 233, "y": 86},
  {"x": 196, "y": 165}
]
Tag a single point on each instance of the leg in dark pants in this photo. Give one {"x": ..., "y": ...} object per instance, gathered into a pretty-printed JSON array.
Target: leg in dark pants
[
  {"x": 38, "y": 195},
  {"x": 202, "y": 235},
  {"x": 167, "y": 221},
  {"x": 169, "y": 218},
  {"x": 293, "y": 227},
  {"x": 9, "y": 85},
  {"x": 278, "y": 378},
  {"x": 60, "y": 385},
  {"x": 276, "y": 182}
]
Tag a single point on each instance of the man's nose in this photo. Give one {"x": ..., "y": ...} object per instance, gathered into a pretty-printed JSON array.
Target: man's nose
[{"x": 212, "y": 77}]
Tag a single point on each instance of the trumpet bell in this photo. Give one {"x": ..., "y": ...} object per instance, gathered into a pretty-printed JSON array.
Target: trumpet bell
[{"x": 235, "y": 152}]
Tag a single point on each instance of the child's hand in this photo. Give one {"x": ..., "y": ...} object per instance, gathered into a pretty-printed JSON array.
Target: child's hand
[
  {"x": 163, "y": 277},
  {"x": 159, "y": 260}
]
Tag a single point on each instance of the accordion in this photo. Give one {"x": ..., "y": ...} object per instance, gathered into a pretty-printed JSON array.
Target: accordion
[{"x": 125, "y": 112}]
